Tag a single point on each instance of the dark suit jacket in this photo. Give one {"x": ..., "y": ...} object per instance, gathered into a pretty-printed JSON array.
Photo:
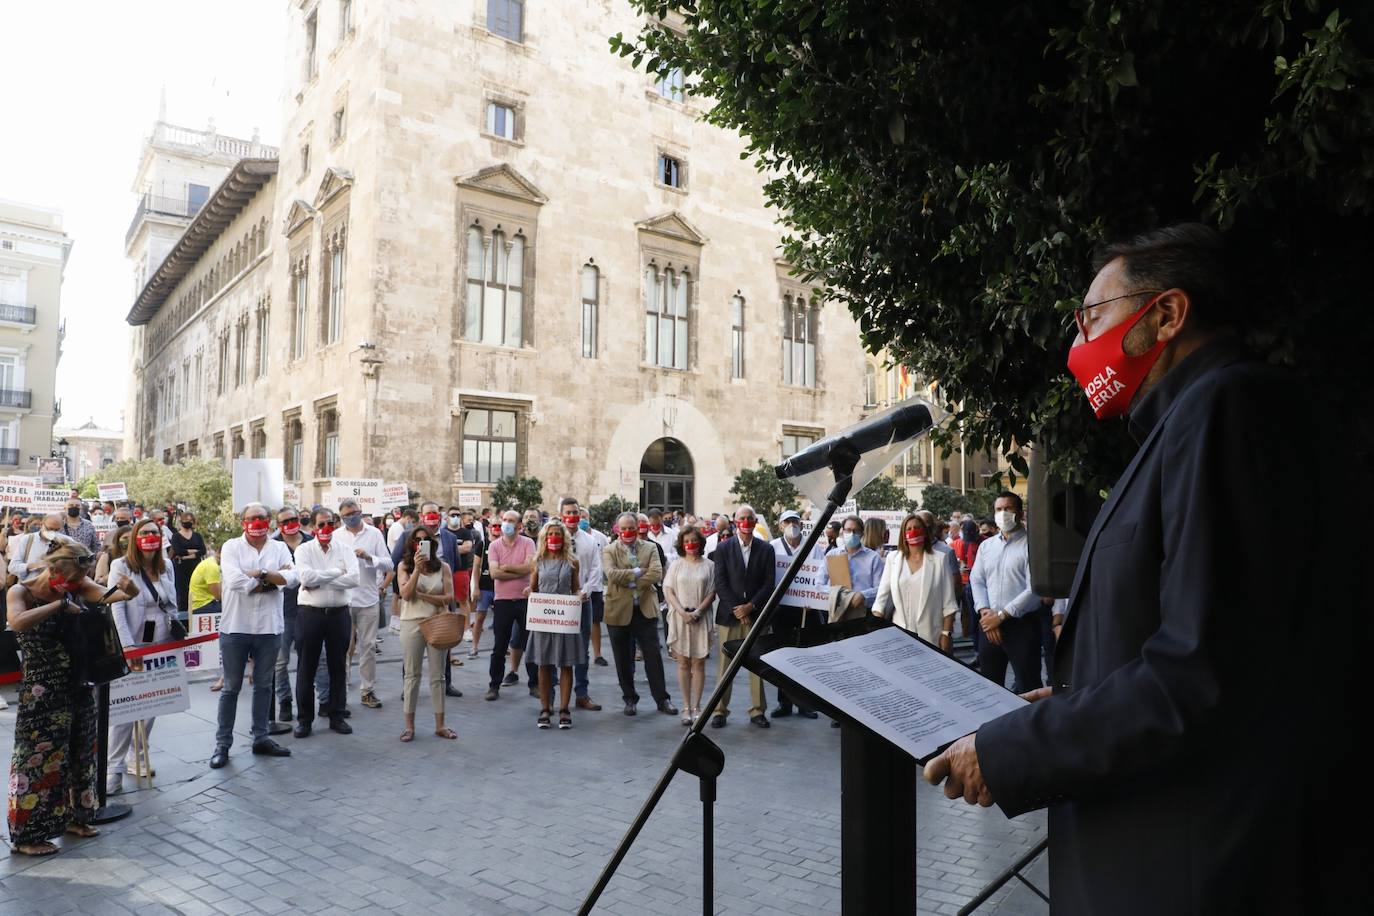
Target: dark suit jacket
[
  {"x": 736, "y": 584},
  {"x": 1188, "y": 669}
]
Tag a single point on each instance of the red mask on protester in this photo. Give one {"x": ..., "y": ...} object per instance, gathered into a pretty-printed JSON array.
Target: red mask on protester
[
  {"x": 555, "y": 543},
  {"x": 571, "y": 520},
  {"x": 916, "y": 539},
  {"x": 692, "y": 546},
  {"x": 324, "y": 535},
  {"x": 291, "y": 528},
  {"x": 628, "y": 535},
  {"x": 745, "y": 524},
  {"x": 149, "y": 541},
  {"x": 431, "y": 519},
  {"x": 644, "y": 529},
  {"x": 655, "y": 528},
  {"x": 61, "y": 583},
  {"x": 1107, "y": 374},
  {"x": 256, "y": 527}
]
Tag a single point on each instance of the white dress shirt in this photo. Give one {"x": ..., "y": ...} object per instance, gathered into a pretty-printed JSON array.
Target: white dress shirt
[
  {"x": 246, "y": 611},
  {"x": 588, "y": 562},
  {"x": 667, "y": 539},
  {"x": 327, "y": 578},
  {"x": 372, "y": 568}
]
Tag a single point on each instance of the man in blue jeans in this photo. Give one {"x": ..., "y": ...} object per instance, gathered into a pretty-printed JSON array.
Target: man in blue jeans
[
  {"x": 254, "y": 569},
  {"x": 589, "y": 574}
]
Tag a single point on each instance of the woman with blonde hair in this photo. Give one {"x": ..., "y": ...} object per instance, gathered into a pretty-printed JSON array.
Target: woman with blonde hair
[
  {"x": 116, "y": 546},
  {"x": 143, "y": 620},
  {"x": 425, "y": 585},
  {"x": 875, "y": 534},
  {"x": 555, "y": 573},
  {"x": 54, "y": 768},
  {"x": 917, "y": 592}
]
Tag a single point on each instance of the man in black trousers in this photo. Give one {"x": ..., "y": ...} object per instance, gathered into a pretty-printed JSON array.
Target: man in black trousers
[
  {"x": 745, "y": 572},
  {"x": 1190, "y": 748}
]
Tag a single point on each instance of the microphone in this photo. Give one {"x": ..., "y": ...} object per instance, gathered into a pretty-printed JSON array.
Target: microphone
[{"x": 897, "y": 425}]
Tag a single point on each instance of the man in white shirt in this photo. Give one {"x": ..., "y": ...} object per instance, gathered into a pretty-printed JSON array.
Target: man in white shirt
[
  {"x": 328, "y": 574},
  {"x": 27, "y": 551},
  {"x": 254, "y": 569},
  {"x": 787, "y": 619},
  {"x": 374, "y": 562},
  {"x": 596, "y": 595},
  {"x": 663, "y": 536},
  {"x": 588, "y": 552}
]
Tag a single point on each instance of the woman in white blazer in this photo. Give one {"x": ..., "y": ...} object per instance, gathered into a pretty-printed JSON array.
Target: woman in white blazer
[
  {"x": 917, "y": 590},
  {"x": 143, "y": 620}
]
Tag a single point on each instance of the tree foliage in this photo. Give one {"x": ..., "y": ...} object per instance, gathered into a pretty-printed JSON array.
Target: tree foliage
[
  {"x": 944, "y": 500},
  {"x": 760, "y": 487},
  {"x": 602, "y": 515},
  {"x": 202, "y": 485},
  {"x": 946, "y": 169},
  {"x": 519, "y": 493},
  {"x": 882, "y": 493}
]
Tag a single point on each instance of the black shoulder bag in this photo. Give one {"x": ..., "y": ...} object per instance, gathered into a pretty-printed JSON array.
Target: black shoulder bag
[{"x": 178, "y": 631}]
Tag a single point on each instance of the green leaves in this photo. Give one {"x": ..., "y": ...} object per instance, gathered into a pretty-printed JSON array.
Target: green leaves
[
  {"x": 518, "y": 493},
  {"x": 760, "y": 487}
]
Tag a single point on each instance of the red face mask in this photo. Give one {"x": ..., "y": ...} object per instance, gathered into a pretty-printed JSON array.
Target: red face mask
[
  {"x": 256, "y": 527},
  {"x": 149, "y": 541},
  {"x": 1109, "y": 377},
  {"x": 655, "y": 528},
  {"x": 692, "y": 546},
  {"x": 555, "y": 543},
  {"x": 571, "y": 520},
  {"x": 915, "y": 538},
  {"x": 628, "y": 535},
  {"x": 324, "y": 535},
  {"x": 745, "y": 524},
  {"x": 643, "y": 529},
  {"x": 291, "y": 528},
  {"x": 61, "y": 583},
  {"x": 431, "y": 519}
]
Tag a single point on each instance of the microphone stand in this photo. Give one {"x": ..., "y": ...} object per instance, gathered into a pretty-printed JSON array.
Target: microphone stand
[{"x": 698, "y": 754}]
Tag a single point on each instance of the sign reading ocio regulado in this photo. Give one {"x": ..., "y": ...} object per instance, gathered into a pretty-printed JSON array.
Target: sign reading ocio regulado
[
  {"x": 554, "y": 613},
  {"x": 367, "y": 491}
]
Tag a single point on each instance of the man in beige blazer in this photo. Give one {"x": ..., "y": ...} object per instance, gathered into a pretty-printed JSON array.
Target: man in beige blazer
[{"x": 631, "y": 569}]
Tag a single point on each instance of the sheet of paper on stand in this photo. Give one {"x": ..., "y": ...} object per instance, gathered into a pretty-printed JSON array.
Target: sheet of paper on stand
[{"x": 903, "y": 689}]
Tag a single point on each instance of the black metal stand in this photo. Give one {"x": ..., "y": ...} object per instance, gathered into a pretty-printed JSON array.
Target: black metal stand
[
  {"x": 106, "y": 812},
  {"x": 704, "y": 759},
  {"x": 877, "y": 825},
  {"x": 842, "y": 459},
  {"x": 1002, "y": 879}
]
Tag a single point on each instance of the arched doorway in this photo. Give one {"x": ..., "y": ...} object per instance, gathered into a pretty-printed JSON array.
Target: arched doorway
[{"x": 666, "y": 476}]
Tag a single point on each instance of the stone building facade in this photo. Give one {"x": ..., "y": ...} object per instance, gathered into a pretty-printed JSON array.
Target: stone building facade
[
  {"x": 89, "y": 447},
  {"x": 33, "y": 255},
  {"x": 495, "y": 248}
]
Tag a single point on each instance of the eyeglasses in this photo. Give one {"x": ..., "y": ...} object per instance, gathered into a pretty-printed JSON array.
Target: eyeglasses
[{"x": 1080, "y": 316}]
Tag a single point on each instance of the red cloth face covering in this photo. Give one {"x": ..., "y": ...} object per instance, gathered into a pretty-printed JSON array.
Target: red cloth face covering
[
  {"x": 149, "y": 541},
  {"x": 256, "y": 527},
  {"x": 291, "y": 528},
  {"x": 916, "y": 540},
  {"x": 629, "y": 535},
  {"x": 324, "y": 535},
  {"x": 692, "y": 547},
  {"x": 1108, "y": 375},
  {"x": 60, "y": 582},
  {"x": 432, "y": 519},
  {"x": 555, "y": 543}
]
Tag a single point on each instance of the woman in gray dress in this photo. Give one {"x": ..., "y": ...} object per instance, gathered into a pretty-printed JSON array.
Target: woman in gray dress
[{"x": 555, "y": 573}]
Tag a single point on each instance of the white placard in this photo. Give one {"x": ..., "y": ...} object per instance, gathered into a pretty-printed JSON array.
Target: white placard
[
  {"x": 554, "y": 613},
  {"x": 904, "y": 690},
  {"x": 112, "y": 492},
  {"x": 367, "y": 491},
  {"x": 394, "y": 495},
  {"x": 893, "y": 520},
  {"x": 52, "y": 470},
  {"x": 290, "y": 495},
  {"x": 258, "y": 480},
  {"x": 330, "y": 501},
  {"x": 49, "y": 500},
  {"x": 203, "y": 624},
  {"x": 103, "y": 524},
  {"x": 17, "y": 491},
  {"x": 471, "y": 498},
  {"x": 160, "y": 689},
  {"x": 807, "y": 589}
]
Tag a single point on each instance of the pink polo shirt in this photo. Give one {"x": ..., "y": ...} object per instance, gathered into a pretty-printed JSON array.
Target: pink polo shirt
[{"x": 517, "y": 554}]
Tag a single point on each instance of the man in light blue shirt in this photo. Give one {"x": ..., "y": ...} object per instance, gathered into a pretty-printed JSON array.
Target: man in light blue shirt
[
  {"x": 1007, "y": 608},
  {"x": 865, "y": 565}
]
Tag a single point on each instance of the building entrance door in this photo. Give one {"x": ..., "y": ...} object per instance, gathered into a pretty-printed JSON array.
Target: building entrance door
[{"x": 666, "y": 477}]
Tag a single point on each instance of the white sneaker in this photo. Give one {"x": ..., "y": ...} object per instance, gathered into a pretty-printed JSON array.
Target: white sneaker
[
  {"x": 3, "y": 704},
  {"x": 467, "y": 637},
  {"x": 114, "y": 783}
]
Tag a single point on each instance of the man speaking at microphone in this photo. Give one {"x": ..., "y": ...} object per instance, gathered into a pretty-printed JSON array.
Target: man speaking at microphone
[{"x": 1181, "y": 750}]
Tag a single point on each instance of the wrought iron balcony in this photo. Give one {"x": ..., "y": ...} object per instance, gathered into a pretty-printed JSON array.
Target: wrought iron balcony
[
  {"x": 9, "y": 457},
  {"x": 21, "y": 398},
  {"x": 19, "y": 314},
  {"x": 162, "y": 206}
]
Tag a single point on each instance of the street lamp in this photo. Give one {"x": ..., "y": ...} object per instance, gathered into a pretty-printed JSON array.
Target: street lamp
[{"x": 63, "y": 449}]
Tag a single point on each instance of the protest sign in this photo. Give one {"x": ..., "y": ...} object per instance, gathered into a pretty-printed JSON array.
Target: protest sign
[
  {"x": 395, "y": 494},
  {"x": 893, "y": 520},
  {"x": 160, "y": 689},
  {"x": 112, "y": 492},
  {"x": 367, "y": 491},
  {"x": 472, "y": 498},
  {"x": 49, "y": 500},
  {"x": 17, "y": 491},
  {"x": 203, "y": 624},
  {"x": 290, "y": 495},
  {"x": 807, "y": 589},
  {"x": 257, "y": 480},
  {"x": 52, "y": 470},
  {"x": 554, "y": 613}
]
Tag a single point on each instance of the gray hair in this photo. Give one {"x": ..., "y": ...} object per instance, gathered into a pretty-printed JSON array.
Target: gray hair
[
  {"x": 631, "y": 516},
  {"x": 349, "y": 501},
  {"x": 253, "y": 507},
  {"x": 746, "y": 508}
]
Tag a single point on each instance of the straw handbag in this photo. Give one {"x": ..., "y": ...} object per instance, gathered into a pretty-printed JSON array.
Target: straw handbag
[{"x": 442, "y": 631}]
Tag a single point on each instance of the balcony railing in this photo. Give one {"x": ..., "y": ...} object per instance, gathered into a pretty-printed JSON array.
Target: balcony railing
[
  {"x": 19, "y": 314},
  {"x": 21, "y": 398},
  {"x": 9, "y": 457},
  {"x": 162, "y": 206}
]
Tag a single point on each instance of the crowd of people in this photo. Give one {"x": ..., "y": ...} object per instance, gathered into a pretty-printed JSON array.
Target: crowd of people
[{"x": 319, "y": 587}]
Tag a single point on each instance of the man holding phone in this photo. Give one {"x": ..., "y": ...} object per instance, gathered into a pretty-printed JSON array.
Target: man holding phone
[{"x": 449, "y": 551}]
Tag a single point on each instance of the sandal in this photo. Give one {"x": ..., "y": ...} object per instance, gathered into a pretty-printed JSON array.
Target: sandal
[
  {"x": 564, "y": 719},
  {"x": 456, "y": 662},
  {"x": 408, "y": 734},
  {"x": 85, "y": 831},
  {"x": 217, "y": 685},
  {"x": 35, "y": 849},
  {"x": 544, "y": 718},
  {"x": 446, "y": 732}
]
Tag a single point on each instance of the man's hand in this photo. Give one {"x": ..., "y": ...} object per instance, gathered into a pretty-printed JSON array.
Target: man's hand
[
  {"x": 989, "y": 620},
  {"x": 946, "y": 643},
  {"x": 465, "y": 547},
  {"x": 958, "y": 768},
  {"x": 857, "y": 601},
  {"x": 1039, "y": 693},
  {"x": 360, "y": 553},
  {"x": 741, "y": 611}
]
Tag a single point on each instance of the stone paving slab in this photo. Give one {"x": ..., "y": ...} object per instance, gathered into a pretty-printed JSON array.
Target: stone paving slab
[{"x": 506, "y": 820}]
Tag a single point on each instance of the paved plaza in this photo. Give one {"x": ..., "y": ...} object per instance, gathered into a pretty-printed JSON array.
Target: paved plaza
[{"x": 506, "y": 820}]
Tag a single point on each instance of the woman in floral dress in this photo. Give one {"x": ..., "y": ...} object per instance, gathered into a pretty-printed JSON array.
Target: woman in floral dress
[{"x": 53, "y": 774}]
